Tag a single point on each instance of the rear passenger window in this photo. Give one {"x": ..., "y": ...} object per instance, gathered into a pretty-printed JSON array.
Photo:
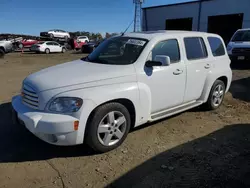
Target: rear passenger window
[
  {"x": 169, "y": 48},
  {"x": 216, "y": 46},
  {"x": 195, "y": 48}
]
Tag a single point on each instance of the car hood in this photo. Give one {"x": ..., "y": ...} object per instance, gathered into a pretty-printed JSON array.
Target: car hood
[
  {"x": 76, "y": 73},
  {"x": 5, "y": 42},
  {"x": 240, "y": 44}
]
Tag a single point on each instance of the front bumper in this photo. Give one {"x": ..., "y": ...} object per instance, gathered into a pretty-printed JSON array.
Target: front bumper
[
  {"x": 240, "y": 57},
  {"x": 56, "y": 129}
]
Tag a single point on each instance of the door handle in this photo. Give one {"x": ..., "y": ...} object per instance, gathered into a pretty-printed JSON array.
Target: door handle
[
  {"x": 177, "y": 72},
  {"x": 207, "y": 66}
]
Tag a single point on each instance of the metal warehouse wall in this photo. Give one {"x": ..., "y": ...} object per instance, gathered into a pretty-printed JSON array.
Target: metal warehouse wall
[
  {"x": 156, "y": 17},
  {"x": 222, "y": 7}
]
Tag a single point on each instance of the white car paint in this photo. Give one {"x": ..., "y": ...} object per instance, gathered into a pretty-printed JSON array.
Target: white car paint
[
  {"x": 6, "y": 46},
  {"x": 51, "y": 45},
  {"x": 82, "y": 39},
  {"x": 152, "y": 92},
  {"x": 59, "y": 33}
]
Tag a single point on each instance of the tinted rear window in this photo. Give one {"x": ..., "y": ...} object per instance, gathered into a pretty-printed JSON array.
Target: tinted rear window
[
  {"x": 195, "y": 48},
  {"x": 216, "y": 46}
]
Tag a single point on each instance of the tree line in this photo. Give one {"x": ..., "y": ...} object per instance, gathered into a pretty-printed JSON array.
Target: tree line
[{"x": 91, "y": 35}]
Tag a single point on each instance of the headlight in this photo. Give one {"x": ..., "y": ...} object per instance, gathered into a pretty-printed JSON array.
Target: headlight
[
  {"x": 65, "y": 104},
  {"x": 229, "y": 47}
]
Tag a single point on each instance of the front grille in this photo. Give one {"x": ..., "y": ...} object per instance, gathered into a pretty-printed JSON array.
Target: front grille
[
  {"x": 29, "y": 97},
  {"x": 241, "y": 51}
]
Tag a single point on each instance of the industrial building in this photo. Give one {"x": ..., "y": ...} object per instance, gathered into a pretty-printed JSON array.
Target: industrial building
[{"x": 223, "y": 17}]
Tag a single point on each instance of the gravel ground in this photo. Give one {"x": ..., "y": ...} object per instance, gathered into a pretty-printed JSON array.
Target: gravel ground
[{"x": 192, "y": 149}]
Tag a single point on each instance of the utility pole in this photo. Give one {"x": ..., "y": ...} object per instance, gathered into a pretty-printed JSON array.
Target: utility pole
[{"x": 138, "y": 15}]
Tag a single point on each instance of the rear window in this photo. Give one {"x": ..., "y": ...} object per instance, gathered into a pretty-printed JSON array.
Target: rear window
[
  {"x": 216, "y": 46},
  {"x": 242, "y": 36},
  {"x": 195, "y": 48},
  {"x": 40, "y": 42}
]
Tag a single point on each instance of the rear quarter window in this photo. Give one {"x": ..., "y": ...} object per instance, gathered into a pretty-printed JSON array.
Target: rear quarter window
[
  {"x": 195, "y": 48},
  {"x": 216, "y": 46}
]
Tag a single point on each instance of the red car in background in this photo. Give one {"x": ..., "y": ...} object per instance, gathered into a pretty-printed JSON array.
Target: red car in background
[
  {"x": 78, "y": 44},
  {"x": 27, "y": 43}
]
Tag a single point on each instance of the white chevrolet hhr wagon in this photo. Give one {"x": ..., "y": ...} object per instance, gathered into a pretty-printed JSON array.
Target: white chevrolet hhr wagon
[{"x": 126, "y": 81}]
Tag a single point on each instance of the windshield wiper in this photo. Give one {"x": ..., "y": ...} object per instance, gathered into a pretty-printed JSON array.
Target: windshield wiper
[
  {"x": 102, "y": 61},
  {"x": 85, "y": 59}
]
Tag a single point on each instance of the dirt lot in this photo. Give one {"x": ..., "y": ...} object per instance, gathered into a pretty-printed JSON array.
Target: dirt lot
[{"x": 193, "y": 149}]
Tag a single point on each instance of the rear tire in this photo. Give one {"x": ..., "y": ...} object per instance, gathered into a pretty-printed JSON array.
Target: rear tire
[
  {"x": 1, "y": 53},
  {"x": 47, "y": 51},
  {"x": 63, "y": 50},
  {"x": 108, "y": 127},
  {"x": 216, "y": 95}
]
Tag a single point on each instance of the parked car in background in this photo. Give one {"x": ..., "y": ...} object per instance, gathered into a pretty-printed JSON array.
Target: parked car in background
[
  {"x": 78, "y": 44},
  {"x": 99, "y": 98},
  {"x": 27, "y": 43},
  {"x": 47, "y": 47},
  {"x": 82, "y": 39},
  {"x": 5, "y": 47},
  {"x": 56, "y": 33},
  {"x": 90, "y": 46},
  {"x": 239, "y": 46}
]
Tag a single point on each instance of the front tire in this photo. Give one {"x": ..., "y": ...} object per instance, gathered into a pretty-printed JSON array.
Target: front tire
[
  {"x": 63, "y": 50},
  {"x": 216, "y": 95},
  {"x": 108, "y": 127}
]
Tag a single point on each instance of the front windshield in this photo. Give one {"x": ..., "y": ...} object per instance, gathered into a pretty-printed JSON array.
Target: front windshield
[
  {"x": 118, "y": 51},
  {"x": 242, "y": 36}
]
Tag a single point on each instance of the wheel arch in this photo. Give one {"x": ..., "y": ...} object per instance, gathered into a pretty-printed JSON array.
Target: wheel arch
[
  {"x": 125, "y": 102},
  {"x": 209, "y": 84},
  {"x": 2, "y": 48},
  {"x": 224, "y": 79}
]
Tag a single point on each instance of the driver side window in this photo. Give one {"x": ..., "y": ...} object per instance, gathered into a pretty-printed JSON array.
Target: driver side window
[{"x": 168, "y": 48}]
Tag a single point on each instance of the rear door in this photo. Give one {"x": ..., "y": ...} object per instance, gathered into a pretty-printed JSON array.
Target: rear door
[
  {"x": 50, "y": 46},
  {"x": 198, "y": 64}
]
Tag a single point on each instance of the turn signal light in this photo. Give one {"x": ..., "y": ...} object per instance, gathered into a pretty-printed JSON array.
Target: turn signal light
[{"x": 76, "y": 124}]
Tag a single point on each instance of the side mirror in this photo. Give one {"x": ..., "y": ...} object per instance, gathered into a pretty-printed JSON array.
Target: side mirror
[
  {"x": 165, "y": 60},
  {"x": 159, "y": 60},
  {"x": 153, "y": 63}
]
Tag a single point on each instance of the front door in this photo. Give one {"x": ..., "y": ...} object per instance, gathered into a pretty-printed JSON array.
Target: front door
[
  {"x": 166, "y": 83},
  {"x": 57, "y": 47}
]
